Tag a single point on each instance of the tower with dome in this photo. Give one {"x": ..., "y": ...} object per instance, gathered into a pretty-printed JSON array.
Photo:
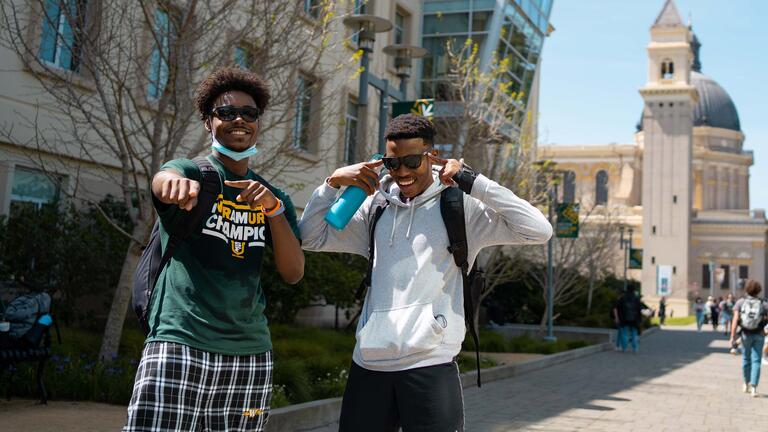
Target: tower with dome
[{"x": 683, "y": 186}]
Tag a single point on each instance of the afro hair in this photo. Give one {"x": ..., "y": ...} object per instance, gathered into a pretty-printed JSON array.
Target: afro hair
[
  {"x": 410, "y": 126},
  {"x": 229, "y": 79}
]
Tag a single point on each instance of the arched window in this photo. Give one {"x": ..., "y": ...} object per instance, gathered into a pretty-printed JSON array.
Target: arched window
[
  {"x": 667, "y": 69},
  {"x": 601, "y": 188},
  {"x": 569, "y": 187}
]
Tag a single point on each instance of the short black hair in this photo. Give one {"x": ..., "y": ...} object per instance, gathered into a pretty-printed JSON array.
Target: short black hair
[
  {"x": 228, "y": 79},
  {"x": 410, "y": 126}
]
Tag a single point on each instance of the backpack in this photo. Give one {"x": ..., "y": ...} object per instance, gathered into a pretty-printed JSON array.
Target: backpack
[
  {"x": 24, "y": 311},
  {"x": 629, "y": 310},
  {"x": 452, "y": 211},
  {"x": 751, "y": 313},
  {"x": 154, "y": 258}
]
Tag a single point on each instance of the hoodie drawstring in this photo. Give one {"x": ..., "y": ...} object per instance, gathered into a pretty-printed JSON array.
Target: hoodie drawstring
[
  {"x": 394, "y": 223},
  {"x": 410, "y": 222}
]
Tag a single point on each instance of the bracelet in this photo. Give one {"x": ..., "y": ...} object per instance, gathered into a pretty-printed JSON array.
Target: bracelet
[{"x": 276, "y": 211}]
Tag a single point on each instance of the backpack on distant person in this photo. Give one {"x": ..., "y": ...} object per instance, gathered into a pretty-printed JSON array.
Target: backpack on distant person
[
  {"x": 154, "y": 259},
  {"x": 630, "y": 308},
  {"x": 751, "y": 313},
  {"x": 452, "y": 211},
  {"x": 30, "y": 318}
]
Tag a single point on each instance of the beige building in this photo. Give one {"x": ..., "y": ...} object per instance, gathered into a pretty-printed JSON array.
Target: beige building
[
  {"x": 683, "y": 186},
  {"x": 33, "y": 174}
]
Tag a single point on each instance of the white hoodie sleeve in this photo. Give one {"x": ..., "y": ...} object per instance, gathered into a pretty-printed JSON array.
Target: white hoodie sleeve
[
  {"x": 496, "y": 216},
  {"x": 318, "y": 236}
]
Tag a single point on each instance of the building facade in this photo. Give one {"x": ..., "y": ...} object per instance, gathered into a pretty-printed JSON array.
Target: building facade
[{"x": 683, "y": 186}]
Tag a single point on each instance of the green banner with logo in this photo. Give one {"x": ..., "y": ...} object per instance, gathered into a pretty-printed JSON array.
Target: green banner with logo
[
  {"x": 636, "y": 259},
  {"x": 422, "y": 107},
  {"x": 567, "y": 220}
]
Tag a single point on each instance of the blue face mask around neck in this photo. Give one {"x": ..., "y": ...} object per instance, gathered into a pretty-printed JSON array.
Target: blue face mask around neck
[{"x": 234, "y": 155}]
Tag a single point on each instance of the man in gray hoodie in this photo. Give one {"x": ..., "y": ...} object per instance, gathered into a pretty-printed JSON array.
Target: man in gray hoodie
[{"x": 410, "y": 330}]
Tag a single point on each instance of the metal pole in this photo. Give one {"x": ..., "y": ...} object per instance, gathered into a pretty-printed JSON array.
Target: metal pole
[
  {"x": 383, "y": 114},
  {"x": 712, "y": 278},
  {"x": 404, "y": 86},
  {"x": 550, "y": 295},
  {"x": 623, "y": 246},
  {"x": 362, "y": 96}
]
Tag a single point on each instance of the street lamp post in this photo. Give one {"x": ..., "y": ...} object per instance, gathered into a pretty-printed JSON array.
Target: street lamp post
[
  {"x": 550, "y": 168},
  {"x": 712, "y": 282},
  {"x": 626, "y": 244},
  {"x": 367, "y": 26}
]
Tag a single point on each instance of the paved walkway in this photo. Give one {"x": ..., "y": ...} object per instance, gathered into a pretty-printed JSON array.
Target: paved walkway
[{"x": 680, "y": 381}]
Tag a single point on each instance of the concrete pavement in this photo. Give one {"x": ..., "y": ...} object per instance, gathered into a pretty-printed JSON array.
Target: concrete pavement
[{"x": 680, "y": 380}]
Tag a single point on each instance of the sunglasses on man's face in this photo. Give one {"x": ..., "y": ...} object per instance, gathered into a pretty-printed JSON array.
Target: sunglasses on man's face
[
  {"x": 411, "y": 161},
  {"x": 230, "y": 113}
]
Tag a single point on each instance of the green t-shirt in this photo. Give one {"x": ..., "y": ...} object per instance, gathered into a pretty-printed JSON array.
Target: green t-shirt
[{"x": 209, "y": 296}]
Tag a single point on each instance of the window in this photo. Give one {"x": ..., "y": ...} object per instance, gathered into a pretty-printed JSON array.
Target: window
[
  {"x": 726, "y": 278},
  {"x": 743, "y": 272},
  {"x": 313, "y": 8},
  {"x": 601, "y": 188},
  {"x": 161, "y": 51},
  {"x": 360, "y": 7},
  {"x": 302, "y": 121},
  {"x": 62, "y": 29},
  {"x": 243, "y": 56},
  {"x": 33, "y": 187},
  {"x": 705, "y": 276},
  {"x": 350, "y": 132},
  {"x": 667, "y": 69},
  {"x": 569, "y": 187},
  {"x": 399, "y": 30}
]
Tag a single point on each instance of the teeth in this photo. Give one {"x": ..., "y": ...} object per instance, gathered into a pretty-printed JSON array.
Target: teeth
[
  {"x": 407, "y": 182},
  {"x": 238, "y": 132}
]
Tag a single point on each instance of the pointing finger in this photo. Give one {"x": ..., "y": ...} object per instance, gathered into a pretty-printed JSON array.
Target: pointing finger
[
  {"x": 240, "y": 184},
  {"x": 374, "y": 164},
  {"x": 436, "y": 159}
]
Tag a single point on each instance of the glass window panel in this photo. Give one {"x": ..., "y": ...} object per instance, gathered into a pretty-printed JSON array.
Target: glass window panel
[
  {"x": 243, "y": 57},
  {"x": 705, "y": 276},
  {"x": 447, "y": 23},
  {"x": 569, "y": 187},
  {"x": 158, "y": 73},
  {"x": 601, "y": 188},
  {"x": 350, "y": 132},
  {"x": 481, "y": 21},
  {"x": 399, "y": 30},
  {"x": 58, "y": 44},
  {"x": 743, "y": 272},
  {"x": 33, "y": 186},
  {"x": 432, "y": 6},
  {"x": 360, "y": 7}
]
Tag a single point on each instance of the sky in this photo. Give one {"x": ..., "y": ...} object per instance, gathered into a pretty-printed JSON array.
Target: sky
[{"x": 595, "y": 61}]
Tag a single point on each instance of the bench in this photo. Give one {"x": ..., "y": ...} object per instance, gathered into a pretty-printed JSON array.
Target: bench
[{"x": 11, "y": 355}]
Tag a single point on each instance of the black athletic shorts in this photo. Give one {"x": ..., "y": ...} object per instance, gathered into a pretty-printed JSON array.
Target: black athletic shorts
[{"x": 426, "y": 399}]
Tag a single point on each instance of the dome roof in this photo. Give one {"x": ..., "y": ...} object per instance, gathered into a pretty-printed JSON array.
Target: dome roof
[{"x": 715, "y": 107}]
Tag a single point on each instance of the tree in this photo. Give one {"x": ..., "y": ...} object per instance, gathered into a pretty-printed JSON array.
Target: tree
[
  {"x": 119, "y": 104},
  {"x": 486, "y": 123}
]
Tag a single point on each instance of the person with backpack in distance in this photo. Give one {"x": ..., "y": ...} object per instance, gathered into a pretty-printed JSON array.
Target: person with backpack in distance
[
  {"x": 698, "y": 309},
  {"x": 750, "y": 313},
  {"x": 421, "y": 228},
  {"x": 726, "y": 313},
  {"x": 207, "y": 360},
  {"x": 628, "y": 315}
]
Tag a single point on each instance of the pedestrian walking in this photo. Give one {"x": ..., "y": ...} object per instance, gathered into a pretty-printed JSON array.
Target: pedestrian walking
[
  {"x": 207, "y": 361},
  {"x": 714, "y": 313},
  {"x": 412, "y": 323},
  {"x": 662, "y": 310},
  {"x": 750, "y": 314},
  {"x": 726, "y": 313},
  {"x": 628, "y": 315},
  {"x": 698, "y": 309}
]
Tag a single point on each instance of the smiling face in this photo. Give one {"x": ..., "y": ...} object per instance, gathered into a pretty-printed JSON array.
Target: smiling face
[
  {"x": 238, "y": 134},
  {"x": 412, "y": 182}
]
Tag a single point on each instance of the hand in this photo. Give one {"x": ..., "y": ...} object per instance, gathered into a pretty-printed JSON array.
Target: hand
[
  {"x": 254, "y": 193},
  {"x": 361, "y": 175},
  {"x": 180, "y": 191},
  {"x": 449, "y": 168}
]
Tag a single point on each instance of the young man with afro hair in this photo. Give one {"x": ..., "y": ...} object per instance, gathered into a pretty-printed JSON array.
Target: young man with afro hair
[
  {"x": 207, "y": 361},
  {"x": 411, "y": 326}
]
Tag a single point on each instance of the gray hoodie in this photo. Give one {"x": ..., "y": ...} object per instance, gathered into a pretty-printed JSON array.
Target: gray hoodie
[{"x": 413, "y": 314}]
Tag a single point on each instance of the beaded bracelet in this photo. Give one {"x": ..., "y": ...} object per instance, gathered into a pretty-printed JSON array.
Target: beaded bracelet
[{"x": 279, "y": 209}]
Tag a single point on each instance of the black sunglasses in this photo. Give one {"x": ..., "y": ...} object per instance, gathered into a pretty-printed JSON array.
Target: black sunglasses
[
  {"x": 411, "y": 161},
  {"x": 229, "y": 113}
]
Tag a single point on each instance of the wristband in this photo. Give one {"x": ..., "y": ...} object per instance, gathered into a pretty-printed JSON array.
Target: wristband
[
  {"x": 465, "y": 178},
  {"x": 279, "y": 209}
]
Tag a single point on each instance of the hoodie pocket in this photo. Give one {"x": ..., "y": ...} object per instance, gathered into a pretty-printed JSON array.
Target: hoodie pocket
[{"x": 397, "y": 333}]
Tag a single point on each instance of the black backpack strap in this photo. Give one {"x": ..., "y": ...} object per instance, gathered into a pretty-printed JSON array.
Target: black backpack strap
[
  {"x": 378, "y": 205},
  {"x": 452, "y": 210}
]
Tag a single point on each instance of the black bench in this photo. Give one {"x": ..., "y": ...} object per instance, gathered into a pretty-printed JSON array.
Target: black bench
[{"x": 11, "y": 355}]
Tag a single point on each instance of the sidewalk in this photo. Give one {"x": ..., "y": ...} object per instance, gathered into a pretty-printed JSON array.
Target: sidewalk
[{"x": 680, "y": 380}]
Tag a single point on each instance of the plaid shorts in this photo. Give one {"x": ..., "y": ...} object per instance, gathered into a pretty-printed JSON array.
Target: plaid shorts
[{"x": 184, "y": 389}]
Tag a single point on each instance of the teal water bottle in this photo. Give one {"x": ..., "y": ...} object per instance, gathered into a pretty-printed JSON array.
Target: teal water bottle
[{"x": 346, "y": 204}]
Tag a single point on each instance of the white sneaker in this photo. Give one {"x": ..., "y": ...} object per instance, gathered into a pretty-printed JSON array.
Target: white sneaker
[
  {"x": 753, "y": 392},
  {"x": 747, "y": 387}
]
